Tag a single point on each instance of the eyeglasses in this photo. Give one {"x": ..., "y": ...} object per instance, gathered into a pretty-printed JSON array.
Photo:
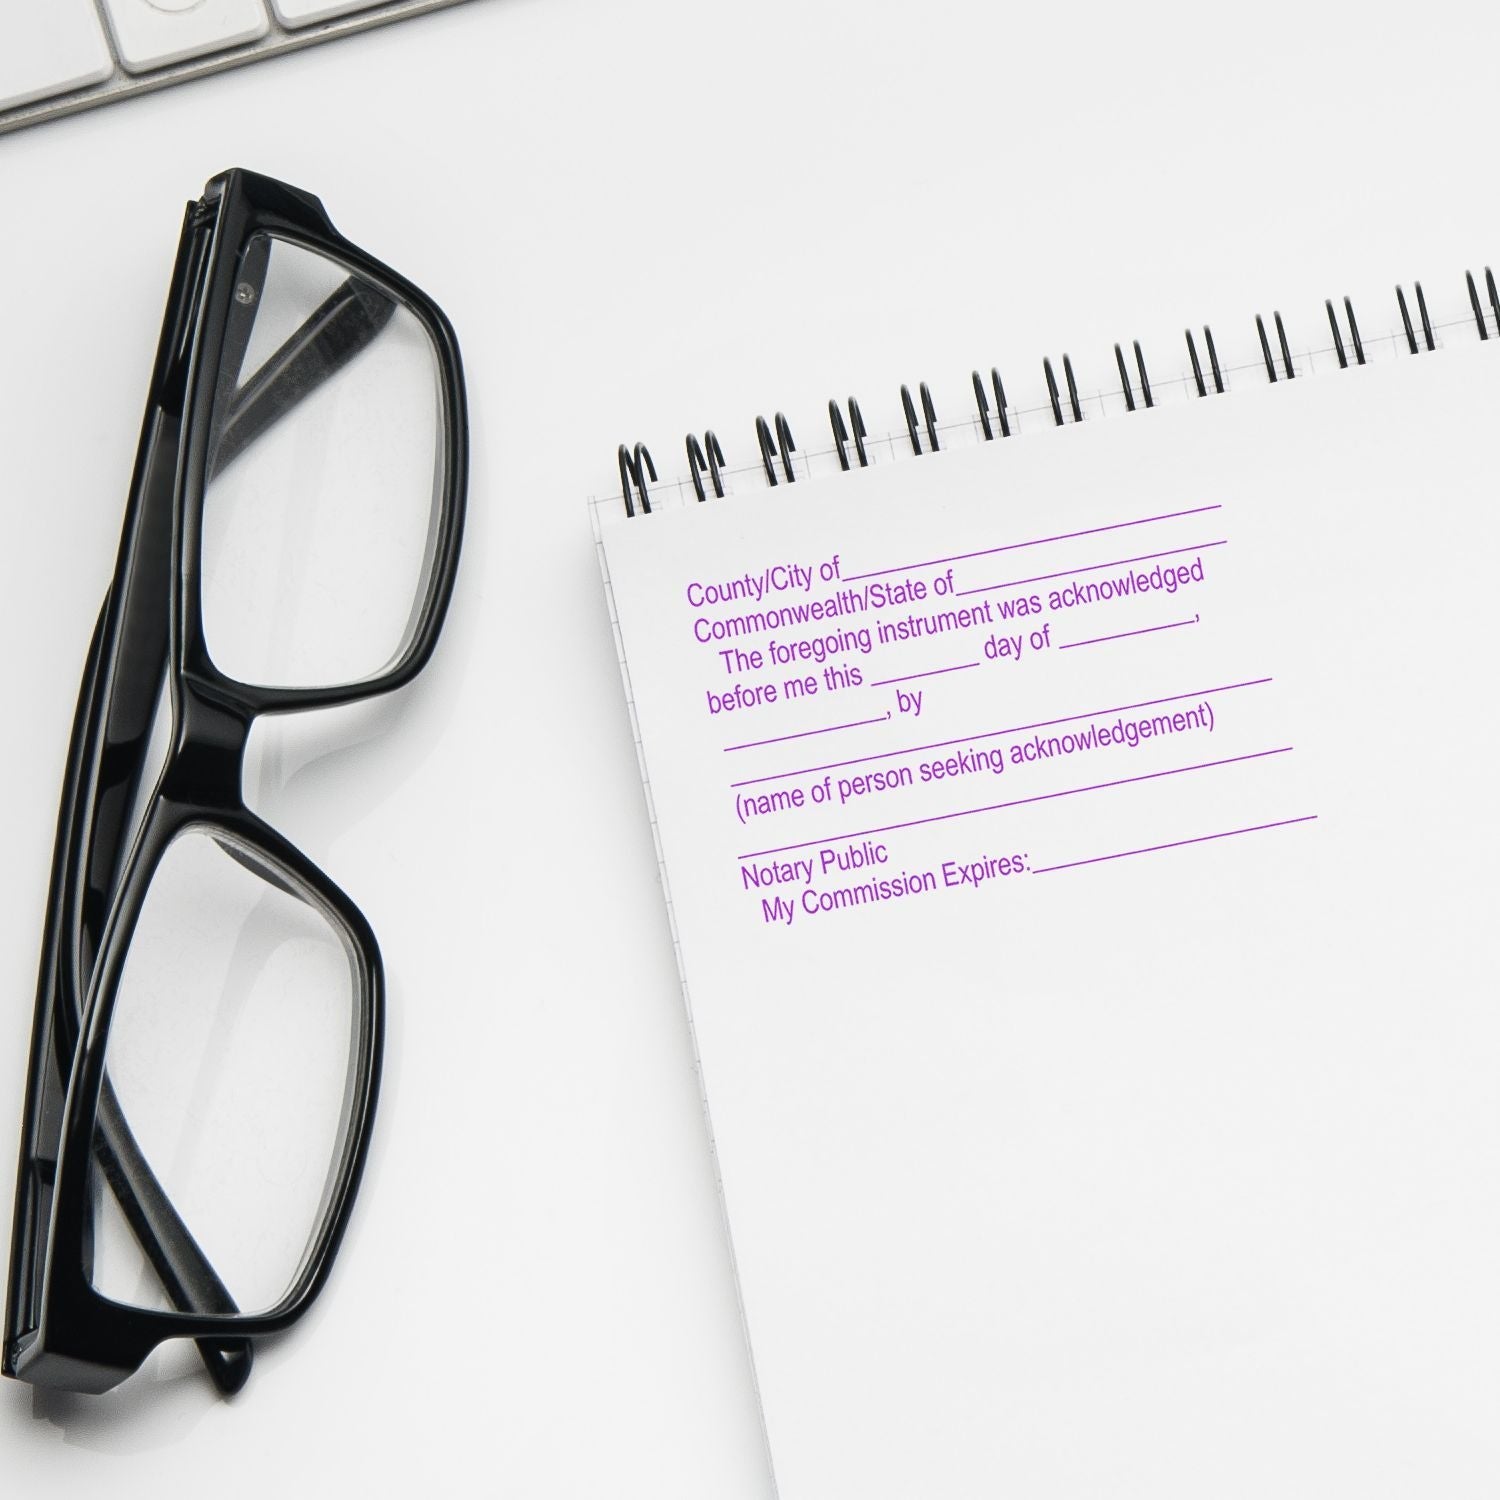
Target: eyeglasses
[{"x": 206, "y": 1044}]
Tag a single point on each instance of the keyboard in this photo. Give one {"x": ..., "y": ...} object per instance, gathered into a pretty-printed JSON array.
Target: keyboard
[{"x": 58, "y": 56}]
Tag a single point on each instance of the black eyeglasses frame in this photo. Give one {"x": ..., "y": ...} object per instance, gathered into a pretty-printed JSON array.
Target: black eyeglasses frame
[{"x": 59, "y": 1330}]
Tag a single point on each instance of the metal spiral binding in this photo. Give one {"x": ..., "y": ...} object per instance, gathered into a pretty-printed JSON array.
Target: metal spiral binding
[
  {"x": 1265, "y": 347},
  {"x": 630, "y": 473},
  {"x": 1489, "y": 285},
  {"x": 841, "y": 433},
  {"x": 929, "y": 416},
  {"x": 1140, "y": 364},
  {"x": 982, "y": 401},
  {"x": 1338, "y": 340},
  {"x": 1213, "y": 360},
  {"x": 713, "y": 463},
  {"x": 768, "y": 448},
  {"x": 1411, "y": 338},
  {"x": 1193, "y": 355},
  {"x": 706, "y": 460},
  {"x": 1052, "y": 392}
]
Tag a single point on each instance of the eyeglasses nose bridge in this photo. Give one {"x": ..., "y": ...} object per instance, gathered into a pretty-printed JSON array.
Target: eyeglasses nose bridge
[{"x": 208, "y": 748}]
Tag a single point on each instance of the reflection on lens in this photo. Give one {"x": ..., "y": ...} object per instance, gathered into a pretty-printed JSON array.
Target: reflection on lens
[
  {"x": 325, "y": 475},
  {"x": 229, "y": 1067}
]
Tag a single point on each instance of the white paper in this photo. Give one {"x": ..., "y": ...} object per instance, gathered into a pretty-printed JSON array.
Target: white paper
[{"x": 1118, "y": 1113}]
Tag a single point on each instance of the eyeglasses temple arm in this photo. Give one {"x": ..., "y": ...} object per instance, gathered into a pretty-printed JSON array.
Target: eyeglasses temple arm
[
  {"x": 176, "y": 1257},
  {"x": 346, "y": 323}
]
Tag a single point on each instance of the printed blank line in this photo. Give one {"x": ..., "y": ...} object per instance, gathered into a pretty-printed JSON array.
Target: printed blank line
[
  {"x": 912, "y": 677},
  {"x": 969, "y": 812},
  {"x": 990, "y": 734},
  {"x": 1119, "y": 562},
  {"x": 1062, "y": 536},
  {"x": 1206, "y": 838},
  {"x": 1120, "y": 636},
  {"x": 808, "y": 733}
]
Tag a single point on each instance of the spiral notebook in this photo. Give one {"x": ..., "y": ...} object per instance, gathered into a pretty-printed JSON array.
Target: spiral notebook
[{"x": 1077, "y": 820}]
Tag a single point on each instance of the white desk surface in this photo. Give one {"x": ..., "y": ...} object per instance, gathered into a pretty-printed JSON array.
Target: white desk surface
[{"x": 640, "y": 218}]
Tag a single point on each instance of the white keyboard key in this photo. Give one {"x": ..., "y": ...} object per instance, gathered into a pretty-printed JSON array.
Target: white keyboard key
[
  {"x": 152, "y": 33},
  {"x": 48, "y": 47},
  {"x": 305, "y": 12}
]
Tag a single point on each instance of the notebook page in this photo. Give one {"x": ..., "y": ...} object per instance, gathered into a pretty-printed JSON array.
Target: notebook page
[{"x": 1081, "y": 854}]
